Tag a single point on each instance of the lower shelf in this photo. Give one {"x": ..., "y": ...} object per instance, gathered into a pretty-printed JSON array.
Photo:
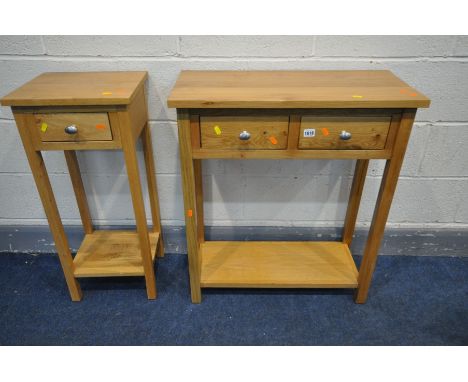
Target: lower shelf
[
  {"x": 277, "y": 264},
  {"x": 112, "y": 253}
]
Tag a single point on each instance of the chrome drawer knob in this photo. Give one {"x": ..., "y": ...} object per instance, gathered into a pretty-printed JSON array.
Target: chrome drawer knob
[
  {"x": 345, "y": 135},
  {"x": 244, "y": 136},
  {"x": 72, "y": 129}
]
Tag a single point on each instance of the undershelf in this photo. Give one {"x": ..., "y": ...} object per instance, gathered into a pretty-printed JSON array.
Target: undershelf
[
  {"x": 112, "y": 253},
  {"x": 277, "y": 264}
]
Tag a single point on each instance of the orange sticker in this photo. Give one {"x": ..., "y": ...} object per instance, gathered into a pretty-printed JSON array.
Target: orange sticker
[
  {"x": 273, "y": 140},
  {"x": 325, "y": 131},
  {"x": 106, "y": 93},
  {"x": 189, "y": 213},
  {"x": 100, "y": 126},
  {"x": 409, "y": 92}
]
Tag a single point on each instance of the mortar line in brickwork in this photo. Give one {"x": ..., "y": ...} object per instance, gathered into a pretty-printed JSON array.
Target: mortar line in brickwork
[
  {"x": 417, "y": 123},
  {"x": 169, "y": 58},
  {"x": 32, "y": 222},
  {"x": 441, "y": 123},
  {"x": 247, "y": 175},
  {"x": 343, "y": 175},
  {"x": 314, "y": 45},
  {"x": 425, "y": 177},
  {"x": 44, "y": 48},
  {"x": 98, "y": 174},
  {"x": 178, "y": 50},
  {"x": 287, "y": 223},
  {"x": 425, "y": 147}
]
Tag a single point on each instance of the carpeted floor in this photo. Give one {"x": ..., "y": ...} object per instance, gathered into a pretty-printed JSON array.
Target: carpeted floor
[{"x": 413, "y": 301}]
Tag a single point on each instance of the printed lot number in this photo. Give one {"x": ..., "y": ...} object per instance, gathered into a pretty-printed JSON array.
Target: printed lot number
[{"x": 309, "y": 133}]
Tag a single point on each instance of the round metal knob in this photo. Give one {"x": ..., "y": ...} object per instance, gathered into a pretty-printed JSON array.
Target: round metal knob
[
  {"x": 244, "y": 136},
  {"x": 345, "y": 135},
  {"x": 72, "y": 129}
]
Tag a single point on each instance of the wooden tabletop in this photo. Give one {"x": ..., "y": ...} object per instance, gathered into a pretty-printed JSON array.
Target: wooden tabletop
[
  {"x": 294, "y": 89},
  {"x": 77, "y": 88}
]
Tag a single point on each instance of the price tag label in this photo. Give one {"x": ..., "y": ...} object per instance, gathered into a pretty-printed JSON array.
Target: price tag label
[{"x": 309, "y": 133}]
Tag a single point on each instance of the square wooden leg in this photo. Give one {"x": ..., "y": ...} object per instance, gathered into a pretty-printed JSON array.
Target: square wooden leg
[
  {"x": 78, "y": 188},
  {"x": 152, "y": 186},
  {"x": 198, "y": 173},
  {"x": 190, "y": 204},
  {"x": 39, "y": 171},
  {"x": 357, "y": 187},
  {"x": 382, "y": 208},
  {"x": 131, "y": 162}
]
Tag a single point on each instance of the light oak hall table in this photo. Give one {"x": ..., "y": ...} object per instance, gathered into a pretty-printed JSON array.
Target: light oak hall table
[
  {"x": 92, "y": 111},
  {"x": 359, "y": 115}
]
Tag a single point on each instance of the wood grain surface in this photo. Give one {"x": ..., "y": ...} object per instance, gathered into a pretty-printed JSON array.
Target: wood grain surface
[
  {"x": 77, "y": 88},
  {"x": 289, "y": 89}
]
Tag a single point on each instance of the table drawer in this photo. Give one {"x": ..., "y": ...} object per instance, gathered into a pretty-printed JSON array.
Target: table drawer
[
  {"x": 256, "y": 132},
  {"x": 73, "y": 127},
  {"x": 343, "y": 132}
]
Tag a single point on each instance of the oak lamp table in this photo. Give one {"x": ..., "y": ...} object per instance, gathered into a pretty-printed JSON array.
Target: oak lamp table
[
  {"x": 359, "y": 115},
  {"x": 92, "y": 111}
]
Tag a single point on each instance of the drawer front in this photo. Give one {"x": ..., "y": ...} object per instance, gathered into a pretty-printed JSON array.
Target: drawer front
[
  {"x": 343, "y": 133},
  {"x": 80, "y": 127},
  {"x": 244, "y": 132}
]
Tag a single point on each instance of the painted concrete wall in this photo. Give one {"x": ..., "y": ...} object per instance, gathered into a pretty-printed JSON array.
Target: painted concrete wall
[{"x": 433, "y": 186}]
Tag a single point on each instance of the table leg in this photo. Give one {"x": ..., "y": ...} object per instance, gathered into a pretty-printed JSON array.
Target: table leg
[
  {"x": 131, "y": 162},
  {"x": 78, "y": 187},
  {"x": 382, "y": 209},
  {"x": 355, "y": 199},
  {"x": 152, "y": 186},
  {"x": 39, "y": 171},
  {"x": 198, "y": 172},
  {"x": 189, "y": 187}
]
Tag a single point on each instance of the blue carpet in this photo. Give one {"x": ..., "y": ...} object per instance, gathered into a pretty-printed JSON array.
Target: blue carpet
[{"x": 413, "y": 301}]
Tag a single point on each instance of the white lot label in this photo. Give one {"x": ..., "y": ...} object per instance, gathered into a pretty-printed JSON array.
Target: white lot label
[{"x": 309, "y": 133}]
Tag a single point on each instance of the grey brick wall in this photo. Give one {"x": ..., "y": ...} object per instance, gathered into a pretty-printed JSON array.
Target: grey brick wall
[{"x": 433, "y": 186}]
